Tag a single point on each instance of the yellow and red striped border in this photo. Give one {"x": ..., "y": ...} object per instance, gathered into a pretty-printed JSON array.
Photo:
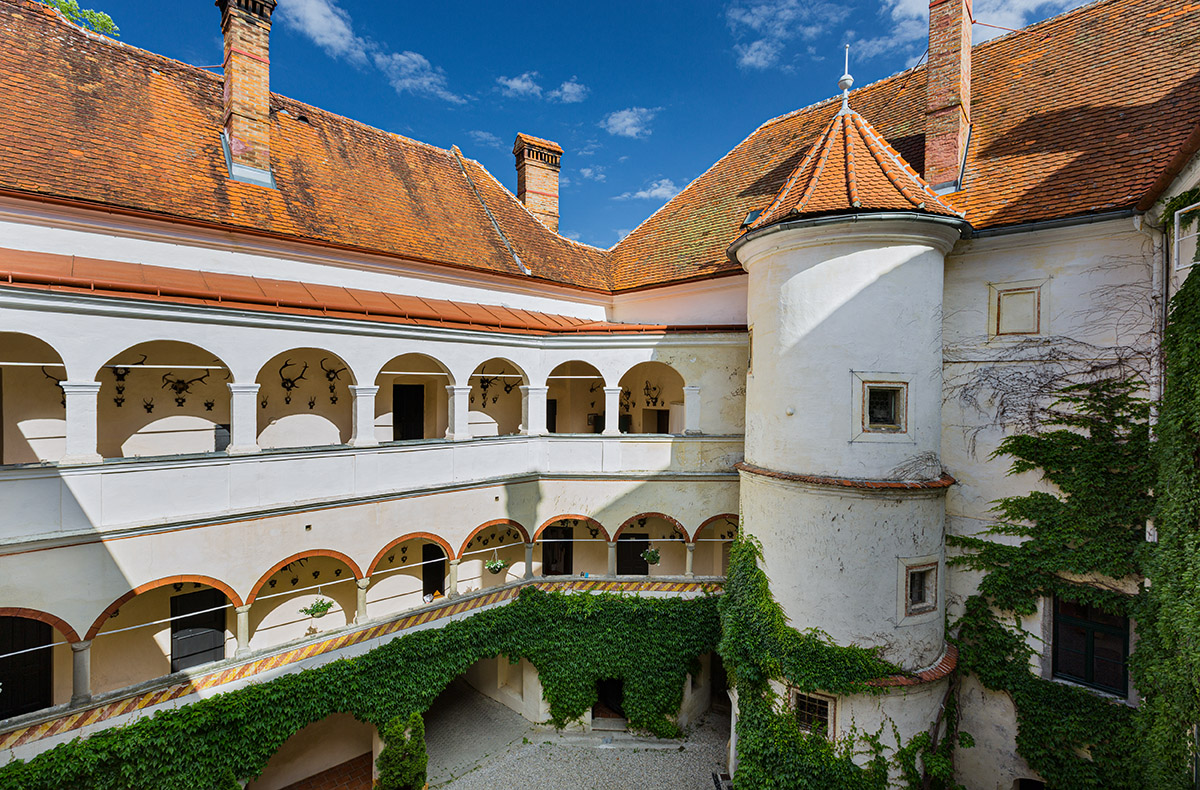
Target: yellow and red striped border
[{"x": 82, "y": 718}]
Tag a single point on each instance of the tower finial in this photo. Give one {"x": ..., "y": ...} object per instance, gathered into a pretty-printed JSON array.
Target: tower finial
[{"x": 846, "y": 83}]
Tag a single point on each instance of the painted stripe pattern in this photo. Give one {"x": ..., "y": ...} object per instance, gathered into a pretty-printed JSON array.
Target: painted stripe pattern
[{"x": 82, "y": 718}]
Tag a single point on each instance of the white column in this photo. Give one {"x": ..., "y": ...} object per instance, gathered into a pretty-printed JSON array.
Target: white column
[
  {"x": 691, "y": 410},
  {"x": 460, "y": 404},
  {"x": 612, "y": 411},
  {"x": 533, "y": 410},
  {"x": 528, "y": 560},
  {"x": 691, "y": 553},
  {"x": 81, "y": 421},
  {"x": 360, "y": 603},
  {"x": 81, "y": 672},
  {"x": 362, "y": 431},
  {"x": 612, "y": 558},
  {"x": 243, "y": 419},
  {"x": 243, "y": 631},
  {"x": 452, "y": 586}
]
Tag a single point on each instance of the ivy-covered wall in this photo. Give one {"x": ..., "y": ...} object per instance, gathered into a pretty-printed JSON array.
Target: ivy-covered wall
[{"x": 574, "y": 640}]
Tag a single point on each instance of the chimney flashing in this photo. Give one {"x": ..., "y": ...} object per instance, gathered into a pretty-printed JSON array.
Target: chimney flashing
[{"x": 245, "y": 173}]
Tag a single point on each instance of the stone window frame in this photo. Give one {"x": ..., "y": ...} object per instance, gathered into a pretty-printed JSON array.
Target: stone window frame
[
  {"x": 995, "y": 290},
  {"x": 861, "y": 381},
  {"x": 905, "y": 614},
  {"x": 794, "y": 698}
]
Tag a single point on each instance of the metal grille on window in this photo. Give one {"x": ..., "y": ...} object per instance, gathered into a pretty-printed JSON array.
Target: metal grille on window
[{"x": 812, "y": 713}]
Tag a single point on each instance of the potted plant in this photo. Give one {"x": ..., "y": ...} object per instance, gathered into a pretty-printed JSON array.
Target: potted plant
[
  {"x": 318, "y": 608},
  {"x": 496, "y": 565},
  {"x": 650, "y": 556}
]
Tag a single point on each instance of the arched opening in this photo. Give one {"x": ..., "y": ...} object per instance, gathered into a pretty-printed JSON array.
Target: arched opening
[
  {"x": 162, "y": 397},
  {"x": 575, "y": 399},
  {"x": 493, "y": 555},
  {"x": 571, "y": 545},
  {"x": 35, "y": 662},
  {"x": 302, "y": 596},
  {"x": 33, "y": 415},
  {"x": 304, "y": 400},
  {"x": 713, "y": 541},
  {"x": 165, "y": 626},
  {"x": 412, "y": 402},
  {"x": 336, "y": 751},
  {"x": 641, "y": 536},
  {"x": 495, "y": 402},
  {"x": 652, "y": 399},
  {"x": 408, "y": 572}
]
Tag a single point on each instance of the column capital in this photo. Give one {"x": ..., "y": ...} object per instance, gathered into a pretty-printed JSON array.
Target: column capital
[
  {"x": 242, "y": 609},
  {"x": 363, "y": 583},
  {"x": 690, "y": 546},
  {"x": 81, "y": 387},
  {"x": 238, "y": 388},
  {"x": 79, "y": 647},
  {"x": 613, "y": 390},
  {"x": 454, "y": 562},
  {"x": 534, "y": 390},
  {"x": 456, "y": 388},
  {"x": 692, "y": 388},
  {"x": 363, "y": 390}
]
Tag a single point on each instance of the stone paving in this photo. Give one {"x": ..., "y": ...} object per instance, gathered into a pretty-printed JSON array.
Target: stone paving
[{"x": 476, "y": 743}]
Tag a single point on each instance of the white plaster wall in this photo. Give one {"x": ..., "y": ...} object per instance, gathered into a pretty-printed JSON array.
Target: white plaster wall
[
  {"x": 911, "y": 709},
  {"x": 709, "y": 302},
  {"x": 834, "y": 560},
  {"x": 275, "y": 617},
  {"x": 319, "y": 746}
]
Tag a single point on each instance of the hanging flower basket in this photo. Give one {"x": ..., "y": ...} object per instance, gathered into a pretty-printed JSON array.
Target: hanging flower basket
[
  {"x": 650, "y": 556},
  {"x": 318, "y": 608},
  {"x": 496, "y": 565}
]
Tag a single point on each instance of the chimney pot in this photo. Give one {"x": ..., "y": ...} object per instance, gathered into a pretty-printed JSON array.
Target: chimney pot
[
  {"x": 538, "y": 164},
  {"x": 246, "y": 135},
  {"x": 947, "y": 93}
]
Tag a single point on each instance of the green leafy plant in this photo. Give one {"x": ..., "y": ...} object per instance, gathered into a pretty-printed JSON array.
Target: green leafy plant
[
  {"x": 651, "y": 556},
  {"x": 95, "y": 21},
  {"x": 403, "y": 761},
  {"x": 318, "y": 608},
  {"x": 496, "y": 565}
]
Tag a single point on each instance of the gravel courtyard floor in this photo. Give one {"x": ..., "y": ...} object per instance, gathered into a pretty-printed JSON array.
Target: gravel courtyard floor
[{"x": 476, "y": 743}]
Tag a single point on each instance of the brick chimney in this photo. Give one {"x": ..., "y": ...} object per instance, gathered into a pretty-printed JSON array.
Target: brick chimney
[
  {"x": 948, "y": 93},
  {"x": 537, "y": 177},
  {"x": 246, "y": 25}
]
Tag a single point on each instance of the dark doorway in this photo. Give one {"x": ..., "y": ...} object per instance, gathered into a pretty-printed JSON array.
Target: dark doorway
[
  {"x": 625, "y": 423},
  {"x": 25, "y": 680},
  {"x": 557, "y": 556},
  {"x": 552, "y": 416},
  {"x": 597, "y": 422},
  {"x": 408, "y": 411},
  {"x": 719, "y": 683},
  {"x": 610, "y": 699},
  {"x": 198, "y": 636},
  {"x": 629, "y": 555},
  {"x": 656, "y": 421},
  {"x": 433, "y": 573}
]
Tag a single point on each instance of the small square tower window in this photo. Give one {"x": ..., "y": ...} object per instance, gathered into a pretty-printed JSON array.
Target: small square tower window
[
  {"x": 1018, "y": 311},
  {"x": 920, "y": 589},
  {"x": 883, "y": 407},
  {"x": 814, "y": 713}
]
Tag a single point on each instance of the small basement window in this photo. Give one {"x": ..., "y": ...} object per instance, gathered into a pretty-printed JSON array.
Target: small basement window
[
  {"x": 814, "y": 712},
  {"x": 884, "y": 407},
  {"x": 920, "y": 589}
]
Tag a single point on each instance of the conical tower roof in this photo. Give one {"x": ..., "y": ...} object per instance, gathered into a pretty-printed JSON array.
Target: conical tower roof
[{"x": 852, "y": 169}]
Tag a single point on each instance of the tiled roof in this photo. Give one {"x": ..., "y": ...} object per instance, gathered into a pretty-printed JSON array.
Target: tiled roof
[
  {"x": 1081, "y": 114},
  {"x": 1088, "y": 112},
  {"x": 93, "y": 277},
  {"x": 850, "y": 168}
]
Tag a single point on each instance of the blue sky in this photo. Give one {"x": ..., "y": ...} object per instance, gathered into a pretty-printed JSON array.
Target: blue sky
[{"x": 643, "y": 96}]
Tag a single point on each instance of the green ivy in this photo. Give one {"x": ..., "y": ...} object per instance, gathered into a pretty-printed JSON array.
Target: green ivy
[
  {"x": 574, "y": 640},
  {"x": 403, "y": 760},
  {"x": 758, "y": 646},
  {"x": 1095, "y": 451}
]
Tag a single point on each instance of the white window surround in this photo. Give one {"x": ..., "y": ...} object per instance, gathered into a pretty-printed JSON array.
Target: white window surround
[
  {"x": 797, "y": 698},
  {"x": 1029, "y": 302},
  {"x": 860, "y": 381},
  {"x": 906, "y": 565}
]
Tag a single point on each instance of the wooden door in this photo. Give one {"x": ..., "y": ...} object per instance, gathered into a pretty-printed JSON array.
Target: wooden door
[
  {"x": 433, "y": 572},
  {"x": 198, "y": 636},
  {"x": 408, "y": 411},
  {"x": 25, "y": 679},
  {"x": 629, "y": 555},
  {"x": 557, "y": 555}
]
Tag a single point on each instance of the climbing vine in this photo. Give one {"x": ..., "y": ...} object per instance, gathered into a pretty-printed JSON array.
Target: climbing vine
[
  {"x": 574, "y": 640},
  {"x": 1085, "y": 541},
  {"x": 761, "y": 651}
]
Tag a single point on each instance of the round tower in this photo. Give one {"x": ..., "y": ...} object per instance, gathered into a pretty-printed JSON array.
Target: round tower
[{"x": 842, "y": 482}]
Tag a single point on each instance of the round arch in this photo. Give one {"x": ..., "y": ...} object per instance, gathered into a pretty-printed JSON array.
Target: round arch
[
  {"x": 34, "y": 405},
  {"x": 494, "y": 404},
  {"x": 571, "y": 517},
  {"x": 108, "y": 611},
  {"x": 575, "y": 393},
  {"x": 500, "y": 522},
  {"x": 337, "y": 555},
  {"x": 412, "y": 402},
  {"x": 643, "y": 516},
  {"x": 731, "y": 517},
  {"x": 429, "y": 536},
  {"x": 57, "y": 623},
  {"x": 648, "y": 392},
  {"x": 304, "y": 399}
]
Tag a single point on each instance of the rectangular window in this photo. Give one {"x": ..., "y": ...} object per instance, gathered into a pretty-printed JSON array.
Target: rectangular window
[
  {"x": 921, "y": 589},
  {"x": 1018, "y": 311},
  {"x": 1090, "y": 647},
  {"x": 814, "y": 713},
  {"x": 884, "y": 407}
]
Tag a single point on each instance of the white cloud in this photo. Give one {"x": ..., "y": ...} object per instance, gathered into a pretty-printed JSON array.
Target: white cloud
[
  {"x": 662, "y": 189},
  {"x": 570, "y": 92},
  {"x": 589, "y": 148},
  {"x": 630, "y": 122},
  {"x": 563, "y": 181},
  {"x": 524, "y": 86},
  {"x": 593, "y": 173},
  {"x": 329, "y": 27},
  {"x": 480, "y": 137},
  {"x": 573, "y": 235},
  {"x": 764, "y": 27}
]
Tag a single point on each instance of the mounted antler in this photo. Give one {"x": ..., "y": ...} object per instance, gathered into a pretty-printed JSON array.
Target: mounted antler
[
  {"x": 181, "y": 387},
  {"x": 58, "y": 383},
  {"x": 332, "y": 374},
  {"x": 290, "y": 383}
]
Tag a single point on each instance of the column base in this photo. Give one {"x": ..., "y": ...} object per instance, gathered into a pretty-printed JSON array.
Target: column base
[
  {"x": 241, "y": 652},
  {"x": 78, "y": 460},
  {"x": 77, "y": 701},
  {"x": 243, "y": 450},
  {"x": 372, "y": 442}
]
